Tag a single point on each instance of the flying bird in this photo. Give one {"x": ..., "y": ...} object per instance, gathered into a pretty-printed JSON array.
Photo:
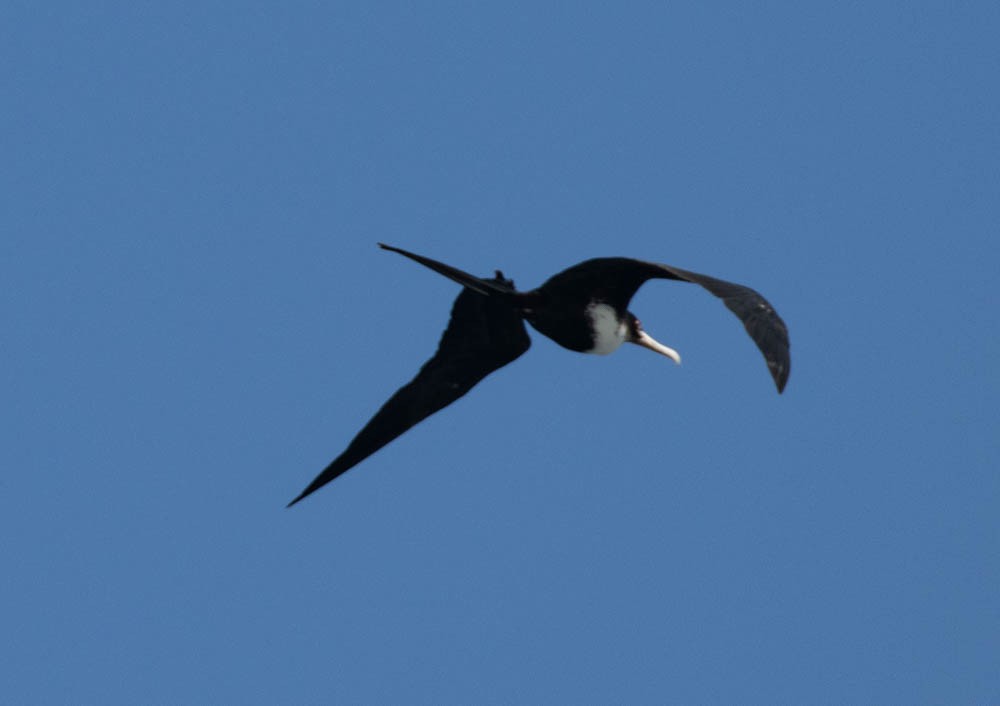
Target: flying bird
[{"x": 584, "y": 308}]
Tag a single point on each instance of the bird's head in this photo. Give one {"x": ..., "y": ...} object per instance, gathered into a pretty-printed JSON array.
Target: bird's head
[{"x": 635, "y": 334}]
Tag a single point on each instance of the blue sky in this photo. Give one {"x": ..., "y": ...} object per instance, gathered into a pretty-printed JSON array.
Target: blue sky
[{"x": 197, "y": 319}]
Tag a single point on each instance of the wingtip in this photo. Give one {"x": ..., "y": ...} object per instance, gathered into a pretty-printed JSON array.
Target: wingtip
[
  {"x": 318, "y": 482},
  {"x": 780, "y": 380}
]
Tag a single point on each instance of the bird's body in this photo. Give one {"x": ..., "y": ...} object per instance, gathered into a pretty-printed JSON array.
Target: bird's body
[{"x": 583, "y": 308}]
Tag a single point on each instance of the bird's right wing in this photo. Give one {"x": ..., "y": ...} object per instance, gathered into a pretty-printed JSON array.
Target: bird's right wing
[{"x": 484, "y": 334}]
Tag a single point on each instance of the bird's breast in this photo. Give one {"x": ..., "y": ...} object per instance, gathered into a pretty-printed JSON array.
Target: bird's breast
[{"x": 609, "y": 330}]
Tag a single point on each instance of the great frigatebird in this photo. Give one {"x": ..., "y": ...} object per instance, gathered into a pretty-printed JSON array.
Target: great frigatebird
[{"x": 584, "y": 308}]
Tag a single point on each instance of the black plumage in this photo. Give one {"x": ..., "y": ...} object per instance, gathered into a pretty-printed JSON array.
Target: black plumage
[
  {"x": 583, "y": 308},
  {"x": 484, "y": 334}
]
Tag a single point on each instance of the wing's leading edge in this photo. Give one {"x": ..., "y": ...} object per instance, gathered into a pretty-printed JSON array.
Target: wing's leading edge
[
  {"x": 759, "y": 318},
  {"x": 484, "y": 334}
]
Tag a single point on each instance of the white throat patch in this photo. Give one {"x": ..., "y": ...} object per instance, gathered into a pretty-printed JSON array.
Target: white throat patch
[{"x": 609, "y": 332}]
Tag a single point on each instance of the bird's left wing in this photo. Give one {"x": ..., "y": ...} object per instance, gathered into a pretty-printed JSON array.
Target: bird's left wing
[
  {"x": 759, "y": 318},
  {"x": 616, "y": 279},
  {"x": 484, "y": 334}
]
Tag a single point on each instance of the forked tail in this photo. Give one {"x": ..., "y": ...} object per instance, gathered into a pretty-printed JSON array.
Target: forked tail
[{"x": 476, "y": 284}]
